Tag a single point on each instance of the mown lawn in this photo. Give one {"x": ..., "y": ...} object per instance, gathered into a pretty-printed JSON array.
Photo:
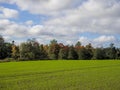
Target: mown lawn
[{"x": 60, "y": 75}]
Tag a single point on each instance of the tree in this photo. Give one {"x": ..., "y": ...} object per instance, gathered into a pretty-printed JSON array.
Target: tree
[
  {"x": 1, "y": 40},
  {"x": 53, "y": 50},
  {"x": 99, "y": 53},
  {"x": 83, "y": 54},
  {"x": 8, "y": 49},
  {"x": 43, "y": 52},
  {"x": 24, "y": 50},
  {"x": 111, "y": 52},
  {"x": 72, "y": 54},
  {"x": 78, "y": 44},
  {"x": 30, "y": 50},
  {"x": 117, "y": 53},
  {"x": 89, "y": 51},
  {"x": 2, "y": 48},
  {"x": 5, "y": 48},
  {"x": 15, "y": 52},
  {"x": 53, "y": 41},
  {"x": 63, "y": 54}
]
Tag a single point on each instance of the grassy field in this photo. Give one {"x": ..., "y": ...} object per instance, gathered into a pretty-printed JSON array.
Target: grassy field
[{"x": 60, "y": 75}]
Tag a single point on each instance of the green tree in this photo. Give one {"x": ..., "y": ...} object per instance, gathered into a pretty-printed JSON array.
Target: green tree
[
  {"x": 43, "y": 52},
  {"x": 118, "y": 53},
  {"x": 63, "y": 54},
  {"x": 30, "y": 50},
  {"x": 111, "y": 52},
  {"x": 1, "y": 40},
  {"x": 99, "y": 53},
  {"x": 53, "y": 41},
  {"x": 72, "y": 54},
  {"x": 89, "y": 51},
  {"x": 78, "y": 44},
  {"x": 5, "y": 48},
  {"x": 83, "y": 54},
  {"x": 54, "y": 49}
]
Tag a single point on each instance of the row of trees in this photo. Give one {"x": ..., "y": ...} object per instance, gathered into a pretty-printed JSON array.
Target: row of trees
[{"x": 32, "y": 50}]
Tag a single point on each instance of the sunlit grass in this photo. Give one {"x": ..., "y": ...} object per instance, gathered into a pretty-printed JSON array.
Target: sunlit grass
[{"x": 60, "y": 75}]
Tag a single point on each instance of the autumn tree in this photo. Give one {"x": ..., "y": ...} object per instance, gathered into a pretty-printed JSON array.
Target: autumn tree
[
  {"x": 63, "y": 54},
  {"x": 15, "y": 52}
]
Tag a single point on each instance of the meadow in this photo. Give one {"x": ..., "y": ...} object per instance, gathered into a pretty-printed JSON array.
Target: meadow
[{"x": 60, "y": 75}]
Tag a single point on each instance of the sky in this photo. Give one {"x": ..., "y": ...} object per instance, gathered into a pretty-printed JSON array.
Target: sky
[{"x": 67, "y": 21}]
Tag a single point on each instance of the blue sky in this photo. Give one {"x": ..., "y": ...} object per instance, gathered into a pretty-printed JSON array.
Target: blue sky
[{"x": 68, "y": 21}]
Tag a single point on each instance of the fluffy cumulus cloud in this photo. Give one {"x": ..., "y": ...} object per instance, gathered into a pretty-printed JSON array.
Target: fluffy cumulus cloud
[
  {"x": 11, "y": 28},
  {"x": 29, "y": 22},
  {"x": 98, "y": 41},
  {"x": 104, "y": 38},
  {"x": 8, "y": 13},
  {"x": 44, "y": 6},
  {"x": 84, "y": 40},
  {"x": 67, "y": 19},
  {"x": 95, "y": 16},
  {"x": 101, "y": 40}
]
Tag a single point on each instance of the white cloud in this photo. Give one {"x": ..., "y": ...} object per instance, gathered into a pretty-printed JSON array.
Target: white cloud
[
  {"x": 84, "y": 40},
  {"x": 103, "y": 39},
  {"x": 82, "y": 19},
  {"x": 10, "y": 28},
  {"x": 76, "y": 16},
  {"x": 7, "y": 38},
  {"x": 4, "y": 1},
  {"x": 37, "y": 29},
  {"x": 8, "y": 13},
  {"x": 45, "y": 6},
  {"x": 98, "y": 41},
  {"x": 69, "y": 42},
  {"x": 29, "y": 22},
  {"x": 68, "y": 19}
]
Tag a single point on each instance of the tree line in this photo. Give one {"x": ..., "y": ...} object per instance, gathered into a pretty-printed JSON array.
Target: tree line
[{"x": 33, "y": 50}]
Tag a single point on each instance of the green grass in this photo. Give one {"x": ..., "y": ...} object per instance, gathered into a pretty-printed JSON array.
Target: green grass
[{"x": 60, "y": 75}]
